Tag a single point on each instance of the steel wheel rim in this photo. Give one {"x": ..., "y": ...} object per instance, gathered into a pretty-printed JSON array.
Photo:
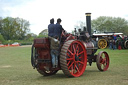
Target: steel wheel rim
[
  {"x": 126, "y": 44},
  {"x": 103, "y": 61},
  {"x": 33, "y": 56},
  {"x": 76, "y": 59},
  {"x": 102, "y": 43}
]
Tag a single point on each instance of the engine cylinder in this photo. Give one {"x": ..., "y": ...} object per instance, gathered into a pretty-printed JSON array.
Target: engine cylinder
[{"x": 91, "y": 47}]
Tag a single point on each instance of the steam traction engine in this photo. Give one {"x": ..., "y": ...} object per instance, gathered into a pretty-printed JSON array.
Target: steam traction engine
[{"x": 75, "y": 52}]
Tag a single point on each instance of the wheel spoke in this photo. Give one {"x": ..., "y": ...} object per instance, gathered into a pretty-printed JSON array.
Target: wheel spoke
[
  {"x": 74, "y": 49},
  {"x": 103, "y": 60},
  {"x": 70, "y": 52},
  {"x": 80, "y": 53},
  {"x": 80, "y": 57},
  {"x": 77, "y": 68},
  {"x": 72, "y": 70},
  {"x": 104, "y": 65},
  {"x": 81, "y": 62},
  {"x": 70, "y": 65},
  {"x": 69, "y": 58},
  {"x": 77, "y": 50},
  {"x": 69, "y": 55}
]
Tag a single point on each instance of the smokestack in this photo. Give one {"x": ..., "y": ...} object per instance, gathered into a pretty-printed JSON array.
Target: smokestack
[{"x": 88, "y": 22}]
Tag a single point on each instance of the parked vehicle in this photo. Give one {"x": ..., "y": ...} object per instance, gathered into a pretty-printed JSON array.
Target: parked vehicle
[
  {"x": 15, "y": 44},
  {"x": 1, "y": 45},
  {"x": 104, "y": 38}
]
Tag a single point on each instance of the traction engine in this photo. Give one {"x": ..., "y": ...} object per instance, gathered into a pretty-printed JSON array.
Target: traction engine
[{"x": 75, "y": 52}]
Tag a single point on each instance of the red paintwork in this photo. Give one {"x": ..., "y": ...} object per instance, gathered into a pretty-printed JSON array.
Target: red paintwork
[
  {"x": 69, "y": 37},
  {"x": 103, "y": 61},
  {"x": 43, "y": 48},
  {"x": 76, "y": 67}
]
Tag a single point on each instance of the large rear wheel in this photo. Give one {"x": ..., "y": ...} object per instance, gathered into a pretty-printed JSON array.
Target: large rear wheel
[{"x": 73, "y": 58}]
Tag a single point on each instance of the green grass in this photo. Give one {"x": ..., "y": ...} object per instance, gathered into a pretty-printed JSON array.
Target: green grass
[{"x": 16, "y": 69}]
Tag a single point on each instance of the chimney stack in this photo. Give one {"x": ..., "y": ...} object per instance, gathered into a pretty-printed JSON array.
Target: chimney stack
[{"x": 88, "y": 22}]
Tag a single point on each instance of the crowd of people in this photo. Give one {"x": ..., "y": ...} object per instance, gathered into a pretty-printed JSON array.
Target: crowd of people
[{"x": 116, "y": 43}]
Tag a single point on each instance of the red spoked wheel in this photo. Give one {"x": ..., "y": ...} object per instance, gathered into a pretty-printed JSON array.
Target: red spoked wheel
[
  {"x": 73, "y": 58},
  {"x": 102, "y": 61}
]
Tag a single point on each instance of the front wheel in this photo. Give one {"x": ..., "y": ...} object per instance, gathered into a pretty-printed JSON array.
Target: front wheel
[{"x": 102, "y": 61}]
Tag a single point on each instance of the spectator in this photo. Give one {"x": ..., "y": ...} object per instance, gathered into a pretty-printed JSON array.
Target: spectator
[
  {"x": 110, "y": 44},
  {"x": 114, "y": 45},
  {"x": 119, "y": 45}
]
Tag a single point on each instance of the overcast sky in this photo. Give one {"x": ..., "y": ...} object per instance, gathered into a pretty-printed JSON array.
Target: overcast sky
[{"x": 39, "y": 12}]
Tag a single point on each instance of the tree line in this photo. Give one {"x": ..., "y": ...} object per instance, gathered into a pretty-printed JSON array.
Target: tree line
[
  {"x": 18, "y": 28},
  {"x": 108, "y": 24},
  {"x": 15, "y": 29}
]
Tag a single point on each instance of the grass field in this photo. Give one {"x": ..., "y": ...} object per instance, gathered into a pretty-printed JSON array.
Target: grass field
[{"x": 16, "y": 69}]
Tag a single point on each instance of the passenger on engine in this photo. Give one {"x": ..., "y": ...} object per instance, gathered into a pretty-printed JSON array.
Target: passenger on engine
[
  {"x": 54, "y": 46},
  {"x": 58, "y": 29},
  {"x": 54, "y": 33},
  {"x": 51, "y": 27}
]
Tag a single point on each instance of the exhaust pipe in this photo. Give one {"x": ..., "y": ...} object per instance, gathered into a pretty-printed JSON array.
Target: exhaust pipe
[{"x": 88, "y": 22}]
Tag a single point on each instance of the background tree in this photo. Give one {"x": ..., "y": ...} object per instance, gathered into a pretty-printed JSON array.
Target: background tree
[
  {"x": 0, "y": 24},
  {"x": 110, "y": 24},
  {"x": 80, "y": 25},
  {"x": 1, "y": 39},
  {"x": 43, "y": 33},
  {"x": 14, "y": 28},
  {"x": 23, "y": 28},
  {"x": 30, "y": 36}
]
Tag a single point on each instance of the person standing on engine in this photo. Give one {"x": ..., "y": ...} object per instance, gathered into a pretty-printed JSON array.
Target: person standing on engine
[
  {"x": 58, "y": 29},
  {"x": 51, "y": 28},
  {"x": 54, "y": 44}
]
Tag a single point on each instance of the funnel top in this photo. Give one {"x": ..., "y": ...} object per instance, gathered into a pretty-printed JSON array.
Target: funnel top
[{"x": 88, "y": 14}]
